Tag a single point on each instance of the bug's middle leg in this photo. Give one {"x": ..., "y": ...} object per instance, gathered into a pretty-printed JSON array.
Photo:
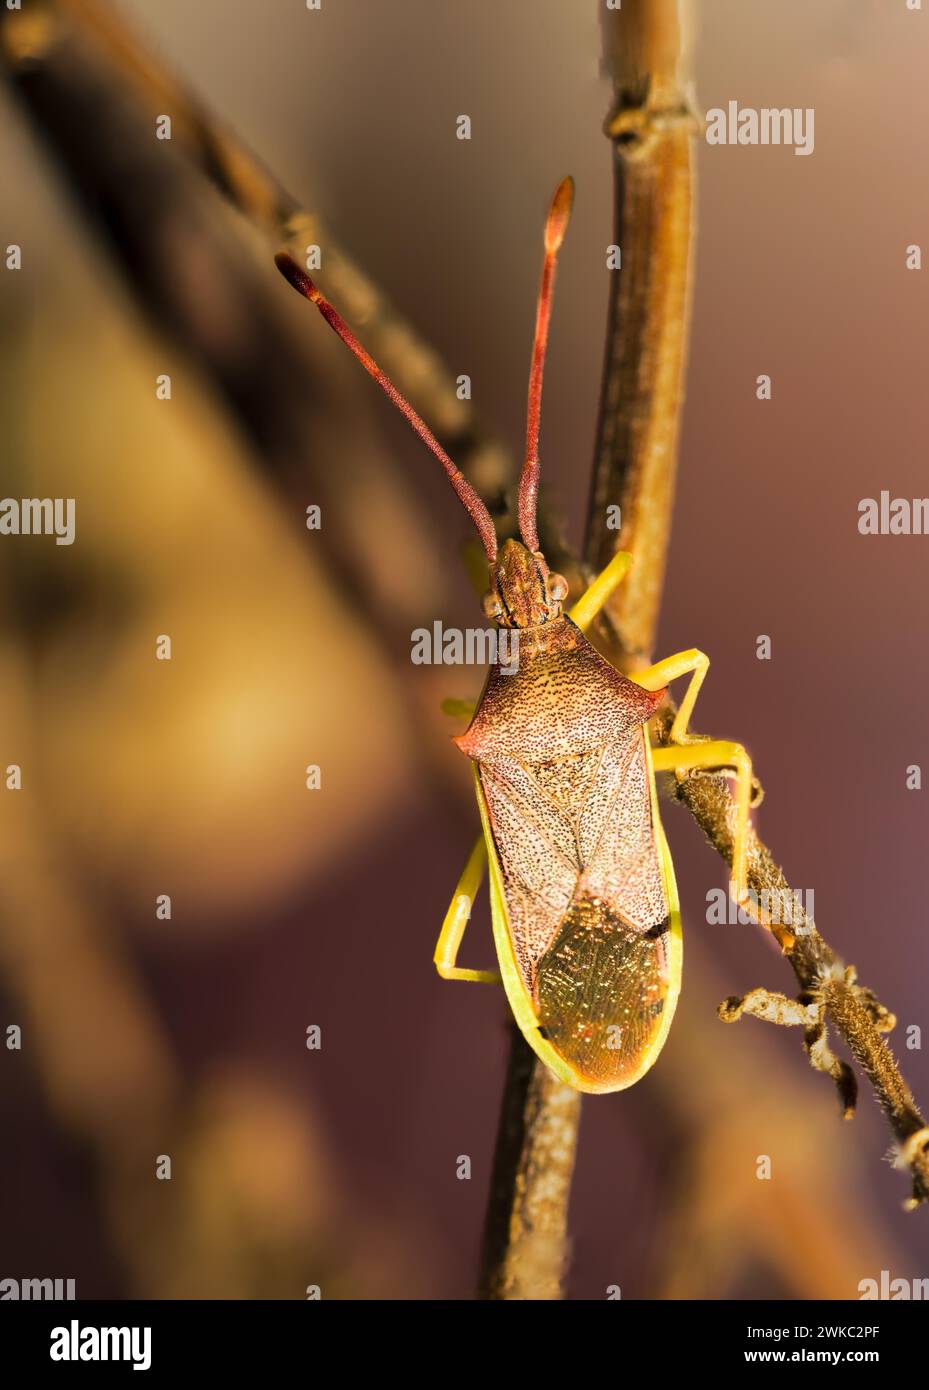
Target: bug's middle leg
[
  {"x": 688, "y": 752},
  {"x": 719, "y": 755},
  {"x": 693, "y": 663},
  {"x": 457, "y": 917}
]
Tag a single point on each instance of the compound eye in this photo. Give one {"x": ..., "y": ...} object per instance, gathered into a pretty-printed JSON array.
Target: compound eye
[
  {"x": 557, "y": 587},
  {"x": 491, "y": 605}
]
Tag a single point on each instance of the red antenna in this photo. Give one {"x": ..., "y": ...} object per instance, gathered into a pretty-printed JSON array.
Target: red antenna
[
  {"x": 556, "y": 225},
  {"x": 469, "y": 498}
]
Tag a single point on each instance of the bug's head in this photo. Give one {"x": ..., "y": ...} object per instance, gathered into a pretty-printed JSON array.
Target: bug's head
[{"x": 523, "y": 591}]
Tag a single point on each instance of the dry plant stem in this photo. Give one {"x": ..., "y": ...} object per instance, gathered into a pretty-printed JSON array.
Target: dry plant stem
[
  {"x": 526, "y": 1230},
  {"x": 651, "y": 132}
]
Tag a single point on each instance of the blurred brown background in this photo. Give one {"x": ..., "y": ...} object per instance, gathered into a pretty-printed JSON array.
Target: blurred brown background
[{"x": 186, "y": 1037}]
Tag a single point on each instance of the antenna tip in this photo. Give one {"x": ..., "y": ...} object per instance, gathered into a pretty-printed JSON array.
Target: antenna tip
[
  {"x": 558, "y": 214},
  {"x": 295, "y": 276}
]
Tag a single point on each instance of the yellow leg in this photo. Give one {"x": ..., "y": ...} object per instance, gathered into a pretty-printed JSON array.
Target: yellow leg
[
  {"x": 694, "y": 663},
  {"x": 456, "y": 919},
  {"x": 721, "y": 756},
  {"x": 593, "y": 599},
  {"x": 690, "y": 751}
]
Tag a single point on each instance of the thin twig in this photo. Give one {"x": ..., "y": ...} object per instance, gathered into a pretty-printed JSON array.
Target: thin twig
[
  {"x": 527, "y": 1220},
  {"x": 651, "y": 130}
]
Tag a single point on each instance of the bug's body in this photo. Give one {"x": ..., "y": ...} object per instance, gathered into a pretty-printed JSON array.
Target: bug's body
[
  {"x": 584, "y": 902},
  {"x": 582, "y": 891}
]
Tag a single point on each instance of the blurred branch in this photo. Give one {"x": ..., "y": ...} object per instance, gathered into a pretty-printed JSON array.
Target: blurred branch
[
  {"x": 190, "y": 278},
  {"x": 115, "y": 1082},
  {"x": 191, "y": 264},
  {"x": 41, "y": 39}
]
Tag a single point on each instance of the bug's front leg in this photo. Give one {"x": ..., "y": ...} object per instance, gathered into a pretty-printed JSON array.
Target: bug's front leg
[
  {"x": 594, "y": 597},
  {"x": 457, "y": 917}
]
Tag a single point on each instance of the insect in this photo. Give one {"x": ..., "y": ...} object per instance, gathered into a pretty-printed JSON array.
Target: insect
[{"x": 584, "y": 904}]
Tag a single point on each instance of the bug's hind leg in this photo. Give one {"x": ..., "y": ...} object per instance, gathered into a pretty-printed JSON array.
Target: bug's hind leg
[
  {"x": 809, "y": 1013},
  {"x": 456, "y": 919},
  {"x": 719, "y": 755},
  {"x": 593, "y": 598}
]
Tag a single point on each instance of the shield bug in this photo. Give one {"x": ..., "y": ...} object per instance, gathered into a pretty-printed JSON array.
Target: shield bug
[{"x": 584, "y": 904}]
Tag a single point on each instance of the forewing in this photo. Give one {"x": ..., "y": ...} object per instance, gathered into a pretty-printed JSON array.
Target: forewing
[
  {"x": 617, "y": 838},
  {"x": 571, "y": 828},
  {"x": 538, "y": 860},
  {"x": 586, "y": 902}
]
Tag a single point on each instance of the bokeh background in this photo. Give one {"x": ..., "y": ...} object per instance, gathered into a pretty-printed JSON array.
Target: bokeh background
[{"x": 186, "y": 1037}]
